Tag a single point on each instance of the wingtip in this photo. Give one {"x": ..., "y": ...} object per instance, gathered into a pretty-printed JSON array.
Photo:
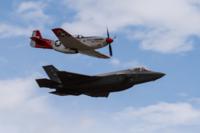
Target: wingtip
[
  {"x": 57, "y": 28},
  {"x": 106, "y": 57},
  {"x": 60, "y": 32}
]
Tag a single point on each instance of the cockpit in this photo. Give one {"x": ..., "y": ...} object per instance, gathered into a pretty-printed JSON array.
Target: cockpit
[
  {"x": 79, "y": 36},
  {"x": 140, "y": 69}
]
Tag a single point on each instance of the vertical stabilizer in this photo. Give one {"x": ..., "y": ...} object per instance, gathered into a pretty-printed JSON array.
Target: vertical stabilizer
[
  {"x": 37, "y": 41},
  {"x": 37, "y": 34},
  {"x": 52, "y": 73}
]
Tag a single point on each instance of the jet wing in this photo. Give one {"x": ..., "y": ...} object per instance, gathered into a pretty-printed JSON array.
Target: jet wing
[
  {"x": 98, "y": 94},
  {"x": 69, "y": 92},
  {"x": 67, "y": 78},
  {"x": 70, "y": 78},
  {"x": 69, "y": 41}
]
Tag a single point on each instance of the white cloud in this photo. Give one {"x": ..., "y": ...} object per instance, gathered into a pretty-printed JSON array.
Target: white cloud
[
  {"x": 165, "y": 117},
  {"x": 115, "y": 62},
  {"x": 9, "y": 30},
  {"x": 163, "y": 41},
  {"x": 33, "y": 11},
  {"x": 163, "y": 113},
  {"x": 24, "y": 110},
  {"x": 31, "y": 14},
  {"x": 16, "y": 92},
  {"x": 167, "y": 24},
  {"x": 21, "y": 108},
  {"x": 124, "y": 64}
]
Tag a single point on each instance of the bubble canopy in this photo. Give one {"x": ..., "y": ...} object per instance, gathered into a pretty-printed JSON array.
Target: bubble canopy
[{"x": 140, "y": 69}]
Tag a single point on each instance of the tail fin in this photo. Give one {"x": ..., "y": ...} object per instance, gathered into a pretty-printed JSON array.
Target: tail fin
[
  {"x": 37, "y": 34},
  {"x": 37, "y": 41},
  {"x": 52, "y": 73}
]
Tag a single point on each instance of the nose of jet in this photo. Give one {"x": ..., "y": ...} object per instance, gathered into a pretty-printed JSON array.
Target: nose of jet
[
  {"x": 109, "y": 40},
  {"x": 159, "y": 75}
]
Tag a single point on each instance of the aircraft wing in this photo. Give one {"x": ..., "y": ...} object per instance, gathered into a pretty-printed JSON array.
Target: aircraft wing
[
  {"x": 63, "y": 75},
  {"x": 94, "y": 54},
  {"x": 98, "y": 94},
  {"x": 73, "y": 79},
  {"x": 70, "y": 92},
  {"x": 69, "y": 41},
  {"x": 68, "y": 78}
]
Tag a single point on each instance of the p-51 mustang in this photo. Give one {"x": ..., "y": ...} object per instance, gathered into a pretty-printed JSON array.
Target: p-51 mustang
[{"x": 69, "y": 44}]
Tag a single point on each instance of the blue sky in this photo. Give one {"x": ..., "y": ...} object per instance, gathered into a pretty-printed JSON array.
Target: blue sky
[{"x": 162, "y": 35}]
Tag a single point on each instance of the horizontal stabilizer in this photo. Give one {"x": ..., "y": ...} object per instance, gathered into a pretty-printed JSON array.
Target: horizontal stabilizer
[{"x": 46, "y": 83}]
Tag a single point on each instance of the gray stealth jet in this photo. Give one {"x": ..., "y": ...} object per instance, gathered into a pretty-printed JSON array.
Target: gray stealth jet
[{"x": 68, "y": 83}]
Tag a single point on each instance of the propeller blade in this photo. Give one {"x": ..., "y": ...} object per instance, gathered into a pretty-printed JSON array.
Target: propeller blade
[
  {"x": 110, "y": 50},
  {"x": 108, "y": 34}
]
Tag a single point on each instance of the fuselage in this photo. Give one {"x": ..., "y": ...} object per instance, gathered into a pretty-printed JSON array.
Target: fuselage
[
  {"x": 92, "y": 42},
  {"x": 116, "y": 81}
]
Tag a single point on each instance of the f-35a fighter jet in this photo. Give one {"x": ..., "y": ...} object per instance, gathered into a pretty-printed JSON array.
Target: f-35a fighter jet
[{"x": 68, "y": 83}]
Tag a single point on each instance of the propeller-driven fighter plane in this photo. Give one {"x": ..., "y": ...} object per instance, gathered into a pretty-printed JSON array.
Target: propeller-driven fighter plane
[
  {"x": 69, "y": 44},
  {"x": 68, "y": 83}
]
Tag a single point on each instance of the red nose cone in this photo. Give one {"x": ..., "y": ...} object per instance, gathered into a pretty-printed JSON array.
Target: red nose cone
[{"x": 109, "y": 40}]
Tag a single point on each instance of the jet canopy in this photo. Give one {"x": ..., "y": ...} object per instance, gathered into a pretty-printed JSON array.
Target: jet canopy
[{"x": 140, "y": 69}]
